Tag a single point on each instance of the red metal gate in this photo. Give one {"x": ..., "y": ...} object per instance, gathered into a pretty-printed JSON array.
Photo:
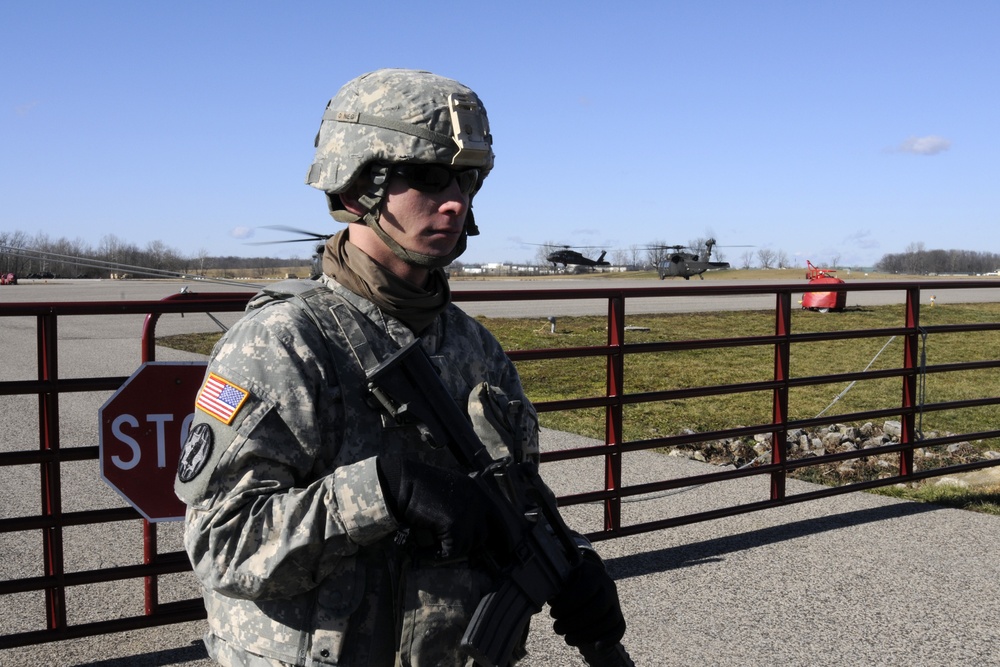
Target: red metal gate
[{"x": 50, "y": 456}]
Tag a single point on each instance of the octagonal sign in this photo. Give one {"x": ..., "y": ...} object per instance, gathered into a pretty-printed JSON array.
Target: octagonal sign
[{"x": 143, "y": 426}]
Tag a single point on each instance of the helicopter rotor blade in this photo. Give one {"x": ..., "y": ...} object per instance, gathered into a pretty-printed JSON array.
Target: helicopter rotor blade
[
  {"x": 564, "y": 246},
  {"x": 295, "y": 230},
  {"x": 118, "y": 266},
  {"x": 310, "y": 240},
  {"x": 550, "y": 245}
]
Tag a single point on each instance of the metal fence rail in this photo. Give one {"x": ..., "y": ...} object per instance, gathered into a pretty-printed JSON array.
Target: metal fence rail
[
  {"x": 782, "y": 340},
  {"x": 51, "y": 521}
]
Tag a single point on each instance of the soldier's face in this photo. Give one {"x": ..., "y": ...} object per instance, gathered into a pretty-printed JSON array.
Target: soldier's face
[{"x": 429, "y": 223}]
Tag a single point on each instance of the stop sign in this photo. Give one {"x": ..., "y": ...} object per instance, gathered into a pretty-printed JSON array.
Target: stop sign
[{"x": 142, "y": 429}]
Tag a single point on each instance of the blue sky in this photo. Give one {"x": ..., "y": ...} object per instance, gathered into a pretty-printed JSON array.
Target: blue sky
[{"x": 827, "y": 130}]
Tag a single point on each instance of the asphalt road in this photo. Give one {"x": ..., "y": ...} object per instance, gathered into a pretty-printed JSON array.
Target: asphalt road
[
  {"x": 688, "y": 296},
  {"x": 682, "y": 296},
  {"x": 851, "y": 581}
]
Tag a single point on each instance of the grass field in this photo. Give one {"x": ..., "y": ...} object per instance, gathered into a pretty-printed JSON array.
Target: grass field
[{"x": 575, "y": 378}]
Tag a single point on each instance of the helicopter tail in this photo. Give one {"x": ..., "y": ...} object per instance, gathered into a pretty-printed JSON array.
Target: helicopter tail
[{"x": 709, "y": 244}]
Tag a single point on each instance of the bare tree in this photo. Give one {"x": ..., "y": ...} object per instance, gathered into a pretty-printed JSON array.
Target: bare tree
[
  {"x": 258, "y": 268},
  {"x": 201, "y": 260},
  {"x": 635, "y": 255},
  {"x": 657, "y": 253},
  {"x": 697, "y": 245},
  {"x": 544, "y": 250},
  {"x": 746, "y": 259},
  {"x": 12, "y": 261},
  {"x": 939, "y": 261},
  {"x": 118, "y": 251},
  {"x": 766, "y": 257},
  {"x": 782, "y": 259},
  {"x": 156, "y": 254}
]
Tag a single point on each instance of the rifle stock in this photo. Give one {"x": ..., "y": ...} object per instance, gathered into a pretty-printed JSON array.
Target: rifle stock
[{"x": 545, "y": 553}]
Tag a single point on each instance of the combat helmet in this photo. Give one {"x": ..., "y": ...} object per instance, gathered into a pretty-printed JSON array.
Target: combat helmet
[{"x": 392, "y": 116}]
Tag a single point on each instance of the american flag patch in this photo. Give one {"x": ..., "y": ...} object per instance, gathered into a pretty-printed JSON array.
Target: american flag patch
[{"x": 221, "y": 399}]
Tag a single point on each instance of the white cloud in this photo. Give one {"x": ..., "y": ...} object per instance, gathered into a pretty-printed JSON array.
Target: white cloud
[
  {"x": 862, "y": 239},
  {"x": 23, "y": 110},
  {"x": 929, "y": 145},
  {"x": 241, "y": 232}
]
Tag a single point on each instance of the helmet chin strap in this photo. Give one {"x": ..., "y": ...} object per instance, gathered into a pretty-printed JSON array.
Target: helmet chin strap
[{"x": 372, "y": 203}]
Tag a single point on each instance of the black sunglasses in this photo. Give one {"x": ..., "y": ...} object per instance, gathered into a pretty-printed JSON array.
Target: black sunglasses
[{"x": 437, "y": 177}]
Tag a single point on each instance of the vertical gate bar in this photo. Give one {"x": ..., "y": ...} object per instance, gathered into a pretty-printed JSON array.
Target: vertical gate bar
[
  {"x": 149, "y": 334},
  {"x": 151, "y": 583},
  {"x": 51, "y": 488},
  {"x": 782, "y": 348},
  {"x": 911, "y": 345},
  {"x": 613, "y": 411}
]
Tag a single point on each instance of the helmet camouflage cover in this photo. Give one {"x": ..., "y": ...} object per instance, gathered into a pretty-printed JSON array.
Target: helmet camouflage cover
[{"x": 397, "y": 115}]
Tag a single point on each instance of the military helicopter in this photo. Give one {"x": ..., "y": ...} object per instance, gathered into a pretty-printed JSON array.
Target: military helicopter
[
  {"x": 567, "y": 256},
  {"x": 685, "y": 262},
  {"x": 318, "y": 239}
]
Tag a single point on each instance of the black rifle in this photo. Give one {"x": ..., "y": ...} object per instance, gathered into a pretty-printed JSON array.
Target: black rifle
[{"x": 408, "y": 386}]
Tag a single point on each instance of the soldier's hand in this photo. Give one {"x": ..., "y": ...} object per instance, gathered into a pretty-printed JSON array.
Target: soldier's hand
[
  {"x": 587, "y": 609},
  {"x": 450, "y": 505}
]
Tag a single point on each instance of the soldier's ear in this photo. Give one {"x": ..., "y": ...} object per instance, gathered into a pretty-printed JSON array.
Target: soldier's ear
[
  {"x": 350, "y": 202},
  {"x": 351, "y": 196}
]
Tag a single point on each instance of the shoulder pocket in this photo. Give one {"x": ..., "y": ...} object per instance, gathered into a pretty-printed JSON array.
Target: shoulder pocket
[{"x": 209, "y": 444}]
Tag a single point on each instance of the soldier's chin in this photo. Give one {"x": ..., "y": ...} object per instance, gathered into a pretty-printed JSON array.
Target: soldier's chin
[{"x": 441, "y": 245}]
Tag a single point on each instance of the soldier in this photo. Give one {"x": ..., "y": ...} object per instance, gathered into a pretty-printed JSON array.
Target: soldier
[{"x": 296, "y": 485}]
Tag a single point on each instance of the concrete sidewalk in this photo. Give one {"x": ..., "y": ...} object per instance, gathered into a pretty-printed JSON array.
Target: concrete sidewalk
[{"x": 853, "y": 580}]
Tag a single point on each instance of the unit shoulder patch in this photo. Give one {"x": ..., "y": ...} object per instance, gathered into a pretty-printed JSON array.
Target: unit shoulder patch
[
  {"x": 195, "y": 453},
  {"x": 221, "y": 398}
]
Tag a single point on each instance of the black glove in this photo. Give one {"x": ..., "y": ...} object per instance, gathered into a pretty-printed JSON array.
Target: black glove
[
  {"x": 451, "y": 506},
  {"x": 587, "y": 610}
]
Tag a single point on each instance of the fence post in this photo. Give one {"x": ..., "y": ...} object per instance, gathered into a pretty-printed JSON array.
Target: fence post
[
  {"x": 911, "y": 346},
  {"x": 782, "y": 347},
  {"x": 51, "y": 485},
  {"x": 613, "y": 411},
  {"x": 150, "y": 550}
]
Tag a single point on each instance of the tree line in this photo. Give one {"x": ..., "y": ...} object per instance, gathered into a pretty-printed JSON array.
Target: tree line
[
  {"x": 38, "y": 255},
  {"x": 915, "y": 260},
  {"x": 918, "y": 260}
]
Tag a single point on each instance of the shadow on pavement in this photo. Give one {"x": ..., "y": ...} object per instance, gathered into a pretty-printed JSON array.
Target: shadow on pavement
[
  {"x": 177, "y": 656},
  {"x": 707, "y": 551}
]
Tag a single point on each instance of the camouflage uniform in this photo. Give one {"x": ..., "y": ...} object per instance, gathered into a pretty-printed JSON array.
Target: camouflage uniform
[{"x": 287, "y": 527}]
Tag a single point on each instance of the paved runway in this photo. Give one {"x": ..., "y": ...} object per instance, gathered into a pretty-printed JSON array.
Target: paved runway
[
  {"x": 853, "y": 580},
  {"x": 684, "y": 296}
]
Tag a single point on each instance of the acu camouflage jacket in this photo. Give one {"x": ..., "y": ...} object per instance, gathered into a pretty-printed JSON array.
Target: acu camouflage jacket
[{"x": 287, "y": 528}]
